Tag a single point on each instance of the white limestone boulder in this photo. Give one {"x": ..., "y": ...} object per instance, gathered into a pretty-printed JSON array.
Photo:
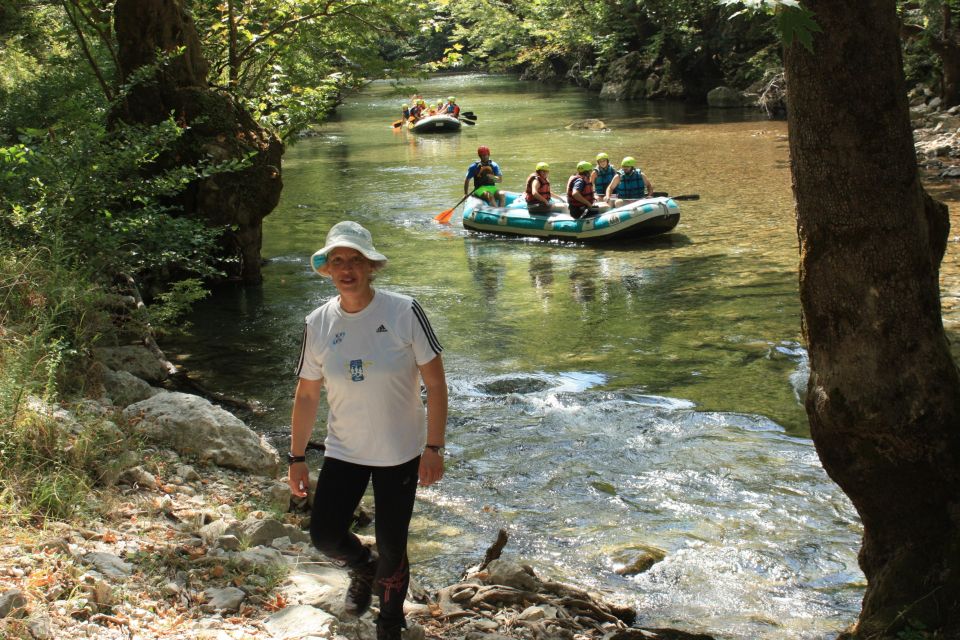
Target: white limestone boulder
[
  {"x": 196, "y": 427},
  {"x": 135, "y": 359}
]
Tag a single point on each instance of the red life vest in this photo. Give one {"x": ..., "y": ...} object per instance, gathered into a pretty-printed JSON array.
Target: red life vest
[
  {"x": 544, "y": 189},
  {"x": 586, "y": 192}
]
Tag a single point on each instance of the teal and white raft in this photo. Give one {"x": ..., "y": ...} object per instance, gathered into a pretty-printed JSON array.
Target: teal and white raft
[{"x": 637, "y": 219}]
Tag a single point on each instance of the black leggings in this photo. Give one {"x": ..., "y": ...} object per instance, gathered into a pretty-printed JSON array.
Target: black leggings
[{"x": 339, "y": 490}]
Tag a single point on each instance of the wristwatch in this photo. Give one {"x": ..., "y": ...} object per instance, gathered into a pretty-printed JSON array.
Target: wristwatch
[
  {"x": 292, "y": 459},
  {"x": 436, "y": 448}
]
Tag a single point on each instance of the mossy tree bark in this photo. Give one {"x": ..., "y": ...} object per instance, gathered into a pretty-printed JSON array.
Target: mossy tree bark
[
  {"x": 219, "y": 128},
  {"x": 884, "y": 394}
]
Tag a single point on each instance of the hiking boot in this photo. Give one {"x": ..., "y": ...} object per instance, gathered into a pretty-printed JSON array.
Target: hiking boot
[
  {"x": 389, "y": 630},
  {"x": 361, "y": 588}
]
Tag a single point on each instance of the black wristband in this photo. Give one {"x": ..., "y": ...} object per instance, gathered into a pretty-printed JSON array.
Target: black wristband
[{"x": 292, "y": 459}]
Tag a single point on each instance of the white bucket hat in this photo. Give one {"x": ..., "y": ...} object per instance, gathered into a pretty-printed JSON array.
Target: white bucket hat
[{"x": 351, "y": 235}]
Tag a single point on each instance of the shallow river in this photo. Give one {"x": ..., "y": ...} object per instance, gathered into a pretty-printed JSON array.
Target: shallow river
[{"x": 604, "y": 400}]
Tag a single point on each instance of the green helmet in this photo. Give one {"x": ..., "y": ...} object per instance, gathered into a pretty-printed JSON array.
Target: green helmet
[
  {"x": 451, "y": 99},
  {"x": 584, "y": 166},
  {"x": 602, "y": 156},
  {"x": 543, "y": 166},
  {"x": 406, "y": 106},
  {"x": 628, "y": 162}
]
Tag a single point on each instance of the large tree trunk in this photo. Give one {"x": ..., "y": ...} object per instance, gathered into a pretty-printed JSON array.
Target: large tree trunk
[
  {"x": 219, "y": 128},
  {"x": 884, "y": 395}
]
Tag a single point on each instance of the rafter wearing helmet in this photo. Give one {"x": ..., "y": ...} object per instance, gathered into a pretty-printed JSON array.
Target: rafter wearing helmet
[{"x": 485, "y": 174}]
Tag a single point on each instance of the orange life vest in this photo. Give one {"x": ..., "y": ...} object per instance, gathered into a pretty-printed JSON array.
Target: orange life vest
[{"x": 544, "y": 189}]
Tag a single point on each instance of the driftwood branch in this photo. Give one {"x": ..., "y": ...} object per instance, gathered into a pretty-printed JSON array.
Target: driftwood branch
[{"x": 494, "y": 551}]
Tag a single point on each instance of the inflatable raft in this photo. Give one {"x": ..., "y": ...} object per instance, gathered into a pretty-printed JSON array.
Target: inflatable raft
[
  {"x": 440, "y": 123},
  {"x": 637, "y": 219}
]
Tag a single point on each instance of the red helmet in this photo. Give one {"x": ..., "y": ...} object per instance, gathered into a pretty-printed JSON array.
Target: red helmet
[{"x": 483, "y": 150}]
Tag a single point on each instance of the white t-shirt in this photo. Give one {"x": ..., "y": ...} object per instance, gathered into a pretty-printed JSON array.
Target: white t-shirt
[{"x": 368, "y": 362}]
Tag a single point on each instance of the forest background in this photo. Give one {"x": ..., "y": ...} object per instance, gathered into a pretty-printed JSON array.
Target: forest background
[{"x": 107, "y": 139}]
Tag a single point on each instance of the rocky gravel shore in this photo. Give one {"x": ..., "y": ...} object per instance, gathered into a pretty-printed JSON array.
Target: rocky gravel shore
[{"x": 192, "y": 534}]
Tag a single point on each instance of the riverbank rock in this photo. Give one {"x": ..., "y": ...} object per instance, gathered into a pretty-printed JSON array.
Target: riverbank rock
[
  {"x": 630, "y": 77},
  {"x": 13, "y": 604},
  {"x": 590, "y": 124},
  {"x": 122, "y": 388},
  {"x": 137, "y": 360},
  {"x": 725, "y": 98},
  {"x": 196, "y": 427},
  {"x": 300, "y": 621},
  {"x": 936, "y": 136},
  {"x": 227, "y": 599},
  {"x": 252, "y": 532}
]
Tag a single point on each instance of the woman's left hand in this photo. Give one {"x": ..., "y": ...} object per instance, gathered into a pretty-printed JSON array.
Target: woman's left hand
[{"x": 431, "y": 467}]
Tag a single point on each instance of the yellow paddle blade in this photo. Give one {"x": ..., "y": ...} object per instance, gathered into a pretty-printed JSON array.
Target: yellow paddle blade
[{"x": 444, "y": 216}]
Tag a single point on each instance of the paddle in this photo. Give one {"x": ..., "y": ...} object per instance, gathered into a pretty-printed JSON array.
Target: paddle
[
  {"x": 444, "y": 216},
  {"x": 664, "y": 194},
  {"x": 397, "y": 124},
  {"x": 469, "y": 122}
]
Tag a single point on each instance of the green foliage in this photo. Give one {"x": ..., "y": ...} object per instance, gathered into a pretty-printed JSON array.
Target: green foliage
[
  {"x": 169, "y": 307},
  {"x": 795, "y": 23},
  {"x": 289, "y": 110},
  {"x": 291, "y": 60},
  {"x": 60, "y": 98},
  {"x": 88, "y": 201},
  {"x": 48, "y": 463},
  {"x": 49, "y": 317}
]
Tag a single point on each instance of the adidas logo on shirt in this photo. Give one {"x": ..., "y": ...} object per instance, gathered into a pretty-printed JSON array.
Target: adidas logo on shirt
[{"x": 381, "y": 329}]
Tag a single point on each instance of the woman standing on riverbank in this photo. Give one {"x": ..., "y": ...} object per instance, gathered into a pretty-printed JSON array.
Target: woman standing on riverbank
[{"x": 369, "y": 349}]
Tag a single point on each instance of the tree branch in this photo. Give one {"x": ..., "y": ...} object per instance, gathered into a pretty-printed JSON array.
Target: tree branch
[
  {"x": 105, "y": 37},
  {"x": 104, "y": 85},
  {"x": 287, "y": 25}
]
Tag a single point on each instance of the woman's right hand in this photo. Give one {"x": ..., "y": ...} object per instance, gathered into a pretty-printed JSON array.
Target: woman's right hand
[{"x": 298, "y": 478}]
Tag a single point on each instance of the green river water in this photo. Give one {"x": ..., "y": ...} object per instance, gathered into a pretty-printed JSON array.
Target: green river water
[{"x": 604, "y": 399}]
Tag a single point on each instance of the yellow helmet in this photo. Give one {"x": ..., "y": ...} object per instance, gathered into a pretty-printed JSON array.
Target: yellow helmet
[
  {"x": 543, "y": 166},
  {"x": 628, "y": 162},
  {"x": 584, "y": 166},
  {"x": 602, "y": 156},
  {"x": 451, "y": 99}
]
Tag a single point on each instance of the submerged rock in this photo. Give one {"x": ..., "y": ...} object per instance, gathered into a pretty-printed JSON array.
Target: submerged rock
[{"x": 590, "y": 124}]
